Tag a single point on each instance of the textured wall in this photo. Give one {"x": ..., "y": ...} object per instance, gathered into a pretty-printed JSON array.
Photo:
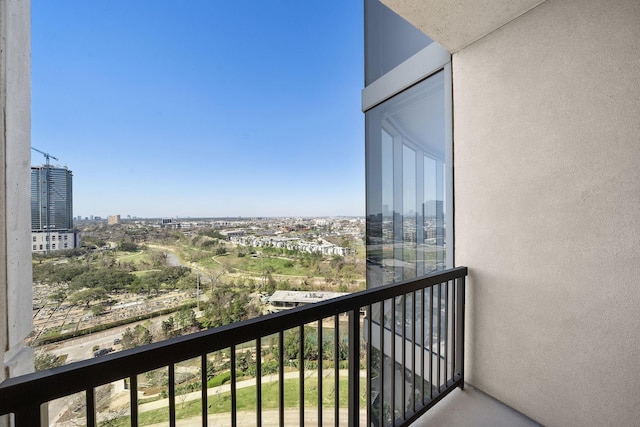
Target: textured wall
[
  {"x": 15, "y": 230},
  {"x": 456, "y": 23},
  {"x": 547, "y": 199}
]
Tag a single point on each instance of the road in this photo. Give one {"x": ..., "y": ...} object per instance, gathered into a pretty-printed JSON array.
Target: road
[{"x": 81, "y": 348}]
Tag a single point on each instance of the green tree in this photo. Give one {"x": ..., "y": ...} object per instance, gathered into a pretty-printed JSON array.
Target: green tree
[
  {"x": 167, "y": 327},
  {"x": 97, "y": 309},
  {"x": 86, "y": 296},
  {"x": 128, "y": 247},
  {"x": 292, "y": 344},
  {"x": 44, "y": 361},
  {"x": 136, "y": 337},
  {"x": 185, "y": 318},
  {"x": 58, "y": 296}
]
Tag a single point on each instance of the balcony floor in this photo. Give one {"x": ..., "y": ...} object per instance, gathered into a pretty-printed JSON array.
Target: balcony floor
[{"x": 472, "y": 408}]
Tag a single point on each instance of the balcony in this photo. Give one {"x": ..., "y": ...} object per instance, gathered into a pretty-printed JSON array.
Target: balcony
[{"x": 378, "y": 357}]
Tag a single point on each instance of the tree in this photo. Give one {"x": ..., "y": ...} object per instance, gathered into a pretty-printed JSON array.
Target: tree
[
  {"x": 167, "y": 327},
  {"x": 97, "y": 309},
  {"x": 86, "y": 296},
  {"x": 44, "y": 361},
  {"x": 58, "y": 296},
  {"x": 128, "y": 247},
  {"x": 292, "y": 344},
  {"x": 136, "y": 337},
  {"x": 185, "y": 317}
]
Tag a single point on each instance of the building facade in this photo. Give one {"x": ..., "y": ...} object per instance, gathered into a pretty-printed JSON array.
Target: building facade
[
  {"x": 51, "y": 198},
  {"x": 544, "y": 105},
  {"x": 52, "y": 209}
]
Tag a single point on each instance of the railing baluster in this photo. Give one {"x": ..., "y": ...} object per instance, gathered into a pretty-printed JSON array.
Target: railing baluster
[
  {"x": 368, "y": 370},
  {"x": 281, "y": 377},
  {"x": 258, "y": 382},
  {"x": 354, "y": 369},
  {"x": 413, "y": 351},
  {"x": 403, "y": 354},
  {"x": 393, "y": 359},
  {"x": 423, "y": 325},
  {"x": 431, "y": 352},
  {"x": 133, "y": 399},
  {"x": 91, "y": 407},
  {"x": 234, "y": 399},
  {"x": 454, "y": 308},
  {"x": 172, "y": 395},
  {"x": 203, "y": 391},
  {"x": 439, "y": 317},
  {"x": 461, "y": 307},
  {"x": 29, "y": 416},
  {"x": 382, "y": 361},
  {"x": 301, "y": 377},
  {"x": 446, "y": 334},
  {"x": 320, "y": 360},
  {"x": 336, "y": 368}
]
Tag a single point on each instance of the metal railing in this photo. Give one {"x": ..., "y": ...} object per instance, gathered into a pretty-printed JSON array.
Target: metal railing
[{"x": 383, "y": 356}]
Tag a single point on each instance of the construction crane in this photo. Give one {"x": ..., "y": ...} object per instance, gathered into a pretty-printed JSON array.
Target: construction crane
[{"x": 47, "y": 157}]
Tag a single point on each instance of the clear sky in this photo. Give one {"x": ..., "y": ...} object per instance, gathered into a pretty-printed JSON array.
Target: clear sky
[{"x": 202, "y": 107}]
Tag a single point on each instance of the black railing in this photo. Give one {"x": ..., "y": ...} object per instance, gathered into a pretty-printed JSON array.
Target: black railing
[{"x": 383, "y": 356}]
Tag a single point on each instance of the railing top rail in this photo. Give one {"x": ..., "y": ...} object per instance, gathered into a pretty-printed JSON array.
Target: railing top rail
[{"x": 51, "y": 384}]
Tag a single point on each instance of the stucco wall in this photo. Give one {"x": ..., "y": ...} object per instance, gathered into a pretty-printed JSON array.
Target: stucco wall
[{"x": 547, "y": 199}]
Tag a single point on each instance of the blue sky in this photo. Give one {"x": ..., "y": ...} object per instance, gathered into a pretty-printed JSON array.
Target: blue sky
[{"x": 202, "y": 108}]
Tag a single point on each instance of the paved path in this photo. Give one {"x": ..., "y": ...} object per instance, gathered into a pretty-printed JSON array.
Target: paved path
[{"x": 271, "y": 418}]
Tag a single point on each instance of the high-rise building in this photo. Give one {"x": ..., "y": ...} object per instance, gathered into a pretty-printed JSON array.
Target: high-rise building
[
  {"x": 51, "y": 198},
  {"x": 52, "y": 209}
]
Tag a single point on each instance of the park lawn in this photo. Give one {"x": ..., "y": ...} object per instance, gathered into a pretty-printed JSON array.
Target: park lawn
[
  {"x": 246, "y": 400},
  {"x": 134, "y": 257},
  {"x": 279, "y": 266}
]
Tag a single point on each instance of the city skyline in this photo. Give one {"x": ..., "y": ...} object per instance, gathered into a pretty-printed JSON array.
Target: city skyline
[{"x": 209, "y": 110}]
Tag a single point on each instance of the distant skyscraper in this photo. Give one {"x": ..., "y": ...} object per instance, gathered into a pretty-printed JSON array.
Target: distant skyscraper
[
  {"x": 51, "y": 205},
  {"x": 52, "y": 209}
]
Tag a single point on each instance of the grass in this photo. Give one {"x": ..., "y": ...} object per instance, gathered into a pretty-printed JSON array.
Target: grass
[
  {"x": 134, "y": 257},
  {"x": 246, "y": 400}
]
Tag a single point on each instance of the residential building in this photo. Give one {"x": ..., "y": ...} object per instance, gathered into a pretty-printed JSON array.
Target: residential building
[
  {"x": 528, "y": 112},
  {"x": 113, "y": 219},
  {"x": 52, "y": 209},
  {"x": 51, "y": 198}
]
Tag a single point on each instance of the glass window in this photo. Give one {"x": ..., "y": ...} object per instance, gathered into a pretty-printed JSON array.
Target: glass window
[
  {"x": 406, "y": 184},
  {"x": 389, "y": 40}
]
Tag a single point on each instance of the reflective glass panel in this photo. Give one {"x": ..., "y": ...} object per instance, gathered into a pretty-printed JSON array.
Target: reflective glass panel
[{"x": 406, "y": 184}]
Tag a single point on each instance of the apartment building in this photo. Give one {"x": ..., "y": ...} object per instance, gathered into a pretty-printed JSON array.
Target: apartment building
[{"x": 52, "y": 209}]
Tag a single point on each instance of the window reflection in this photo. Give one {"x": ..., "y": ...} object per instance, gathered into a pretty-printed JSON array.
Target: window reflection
[{"x": 406, "y": 182}]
